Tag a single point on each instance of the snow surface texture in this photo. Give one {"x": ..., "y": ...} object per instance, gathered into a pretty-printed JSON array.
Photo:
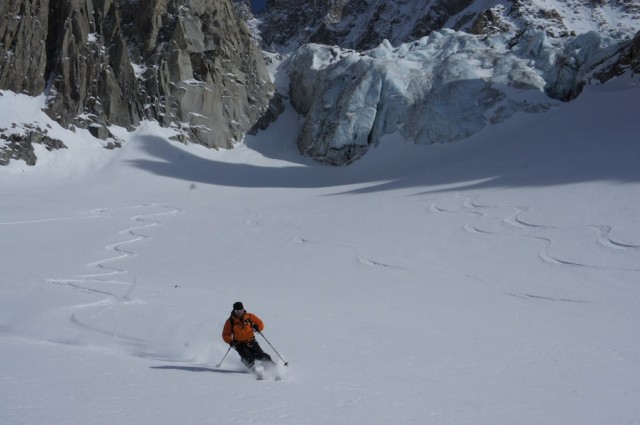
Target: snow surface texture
[
  {"x": 441, "y": 88},
  {"x": 487, "y": 282}
]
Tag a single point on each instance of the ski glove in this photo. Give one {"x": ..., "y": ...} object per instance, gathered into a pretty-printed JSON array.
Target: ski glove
[{"x": 255, "y": 327}]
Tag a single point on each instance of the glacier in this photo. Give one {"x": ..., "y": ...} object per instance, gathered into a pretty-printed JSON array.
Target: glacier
[{"x": 441, "y": 88}]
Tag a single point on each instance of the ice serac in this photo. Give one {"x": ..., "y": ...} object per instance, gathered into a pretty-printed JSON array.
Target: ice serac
[
  {"x": 441, "y": 88},
  {"x": 473, "y": 63},
  {"x": 189, "y": 64},
  {"x": 567, "y": 67}
]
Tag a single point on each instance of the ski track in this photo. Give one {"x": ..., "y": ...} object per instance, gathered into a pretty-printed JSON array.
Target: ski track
[
  {"x": 509, "y": 221},
  {"x": 361, "y": 260},
  {"x": 539, "y": 297},
  {"x": 367, "y": 262},
  {"x": 47, "y": 220},
  {"x": 105, "y": 283},
  {"x": 372, "y": 263}
]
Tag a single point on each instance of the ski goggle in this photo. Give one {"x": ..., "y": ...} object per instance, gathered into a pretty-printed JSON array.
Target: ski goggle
[{"x": 238, "y": 312}]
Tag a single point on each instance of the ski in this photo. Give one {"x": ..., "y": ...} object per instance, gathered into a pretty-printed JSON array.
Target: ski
[
  {"x": 258, "y": 371},
  {"x": 266, "y": 370}
]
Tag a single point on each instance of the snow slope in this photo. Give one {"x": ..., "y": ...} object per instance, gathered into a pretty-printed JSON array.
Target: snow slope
[{"x": 492, "y": 281}]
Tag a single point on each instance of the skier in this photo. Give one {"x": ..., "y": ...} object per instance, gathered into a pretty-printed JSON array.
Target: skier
[{"x": 238, "y": 332}]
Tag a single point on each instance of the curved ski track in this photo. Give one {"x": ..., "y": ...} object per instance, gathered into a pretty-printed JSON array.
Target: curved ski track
[
  {"x": 509, "y": 221},
  {"x": 105, "y": 282}
]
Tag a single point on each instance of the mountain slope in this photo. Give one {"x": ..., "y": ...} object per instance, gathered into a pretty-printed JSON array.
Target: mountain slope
[{"x": 491, "y": 281}]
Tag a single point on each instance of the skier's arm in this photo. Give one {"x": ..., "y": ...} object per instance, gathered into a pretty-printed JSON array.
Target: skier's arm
[
  {"x": 256, "y": 323},
  {"x": 226, "y": 332}
]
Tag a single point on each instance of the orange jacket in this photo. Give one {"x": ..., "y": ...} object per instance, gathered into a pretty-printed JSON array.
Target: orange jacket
[{"x": 240, "y": 329}]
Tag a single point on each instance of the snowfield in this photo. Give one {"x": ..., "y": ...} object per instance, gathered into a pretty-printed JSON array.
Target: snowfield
[{"x": 493, "y": 281}]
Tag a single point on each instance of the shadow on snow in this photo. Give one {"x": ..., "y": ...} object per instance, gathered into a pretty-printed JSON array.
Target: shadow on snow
[
  {"x": 557, "y": 148},
  {"x": 198, "y": 369}
]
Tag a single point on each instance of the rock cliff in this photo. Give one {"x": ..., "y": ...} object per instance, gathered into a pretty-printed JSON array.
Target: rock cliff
[{"x": 190, "y": 64}]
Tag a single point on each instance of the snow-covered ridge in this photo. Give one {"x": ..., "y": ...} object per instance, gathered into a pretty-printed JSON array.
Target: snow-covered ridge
[
  {"x": 619, "y": 18},
  {"x": 363, "y": 24}
]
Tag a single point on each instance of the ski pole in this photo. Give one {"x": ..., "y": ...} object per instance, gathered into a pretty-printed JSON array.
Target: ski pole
[
  {"x": 265, "y": 338},
  {"x": 225, "y": 356}
]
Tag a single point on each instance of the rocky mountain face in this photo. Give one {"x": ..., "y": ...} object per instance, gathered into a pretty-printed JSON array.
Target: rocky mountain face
[
  {"x": 364, "y": 24},
  {"x": 438, "y": 71},
  {"x": 354, "y": 24},
  {"x": 435, "y": 70},
  {"x": 189, "y": 64}
]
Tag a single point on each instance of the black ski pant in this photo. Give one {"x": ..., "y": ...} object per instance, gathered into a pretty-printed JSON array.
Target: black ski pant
[{"x": 250, "y": 352}]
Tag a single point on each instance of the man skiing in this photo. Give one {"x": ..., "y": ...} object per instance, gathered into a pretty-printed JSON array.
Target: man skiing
[{"x": 238, "y": 332}]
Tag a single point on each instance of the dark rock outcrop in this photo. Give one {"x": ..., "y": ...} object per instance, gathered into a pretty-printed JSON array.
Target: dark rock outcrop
[
  {"x": 627, "y": 59},
  {"x": 20, "y": 145},
  {"x": 354, "y": 24}
]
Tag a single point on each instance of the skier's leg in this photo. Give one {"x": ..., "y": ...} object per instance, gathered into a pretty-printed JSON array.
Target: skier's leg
[
  {"x": 258, "y": 354},
  {"x": 246, "y": 354}
]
